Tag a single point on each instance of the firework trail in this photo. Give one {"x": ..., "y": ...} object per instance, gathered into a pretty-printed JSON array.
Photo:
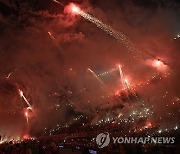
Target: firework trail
[
  {"x": 99, "y": 80},
  {"x": 125, "y": 83},
  {"x": 94, "y": 74},
  {"x": 56, "y": 43},
  {"x": 26, "y": 115},
  {"x": 119, "y": 36},
  {"x": 22, "y": 95},
  {"x": 60, "y": 3},
  {"x": 50, "y": 34},
  {"x": 10, "y": 74},
  {"x": 121, "y": 76},
  {"x": 129, "y": 87},
  {"x": 107, "y": 72}
]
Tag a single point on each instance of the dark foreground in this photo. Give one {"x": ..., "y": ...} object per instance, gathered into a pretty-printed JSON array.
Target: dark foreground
[{"x": 52, "y": 147}]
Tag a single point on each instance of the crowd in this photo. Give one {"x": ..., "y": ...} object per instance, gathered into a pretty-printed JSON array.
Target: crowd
[
  {"x": 29, "y": 147},
  {"x": 53, "y": 147}
]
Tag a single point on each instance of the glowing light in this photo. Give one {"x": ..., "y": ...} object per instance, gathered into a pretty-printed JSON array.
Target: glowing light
[
  {"x": 9, "y": 75},
  {"x": 175, "y": 128},
  {"x": 126, "y": 80},
  {"x": 70, "y": 69},
  {"x": 56, "y": 42},
  {"x": 158, "y": 63},
  {"x": 75, "y": 9},
  {"x": 117, "y": 93},
  {"x": 119, "y": 36},
  {"x": 121, "y": 76},
  {"x": 27, "y": 119},
  {"x": 94, "y": 74},
  {"x": 160, "y": 131},
  {"x": 60, "y": 3},
  {"x": 148, "y": 124},
  {"x": 26, "y": 136},
  {"x": 22, "y": 95},
  {"x": 26, "y": 114},
  {"x": 107, "y": 72},
  {"x": 120, "y": 114},
  {"x": 50, "y": 34}
]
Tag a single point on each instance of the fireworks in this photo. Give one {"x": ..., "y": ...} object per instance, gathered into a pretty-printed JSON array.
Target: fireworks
[
  {"x": 177, "y": 37},
  {"x": 108, "y": 29},
  {"x": 119, "y": 36},
  {"x": 128, "y": 86},
  {"x": 26, "y": 136},
  {"x": 125, "y": 83},
  {"x": 60, "y": 3},
  {"x": 94, "y": 74},
  {"x": 120, "y": 109},
  {"x": 50, "y": 34},
  {"x": 158, "y": 64},
  {"x": 25, "y": 99},
  {"x": 55, "y": 42},
  {"x": 11, "y": 73},
  {"x": 26, "y": 115},
  {"x": 75, "y": 9},
  {"x": 148, "y": 124},
  {"x": 121, "y": 76},
  {"x": 107, "y": 72}
]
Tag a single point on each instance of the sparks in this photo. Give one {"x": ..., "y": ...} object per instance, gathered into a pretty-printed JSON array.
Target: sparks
[
  {"x": 50, "y": 34},
  {"x": 107, "y": 72},
  {"x": 158, "y": 64},
  {"x": 26, "y": 115},
  {"x": 22, "y": 95},
  {"x": 94, "y": 74},
  {"x": 121, "y": 76},
  {"x": 119, "y": 36},
  {"x": 60, "y": 3},
  {"x": 75, "y": 9},
  {"x": 148, "y": 125}
]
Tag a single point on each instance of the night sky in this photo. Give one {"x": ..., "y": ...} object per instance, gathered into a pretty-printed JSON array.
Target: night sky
[{"x": 68, "y": 67}]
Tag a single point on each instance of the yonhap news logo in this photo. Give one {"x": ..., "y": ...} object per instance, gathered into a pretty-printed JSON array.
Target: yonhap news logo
[{"x": 103, "y": 140}]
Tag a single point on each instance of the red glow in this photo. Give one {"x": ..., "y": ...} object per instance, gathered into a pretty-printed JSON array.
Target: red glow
[
  {"x": 158, "y": 63},
  {"x": 26, "y": 113},
  {"x": 117, "y": 93},
  {"x": 148, "y": 124},
  {"x": 20, "y": 92},
  {"x": 26, "y": 136},
  {"x": 74, "y": 8},
  {"x": 126, "y": 81},
  {"x": 118, "y": 65}
]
